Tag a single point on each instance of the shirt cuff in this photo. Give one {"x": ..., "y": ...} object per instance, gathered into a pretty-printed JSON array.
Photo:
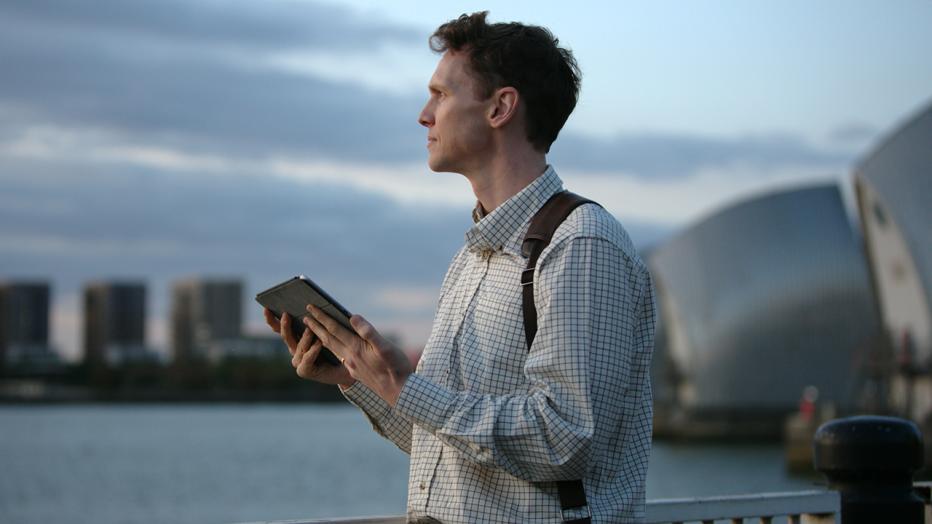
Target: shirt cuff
[
  {"x": 366, "y": 399},
  {"x": 424, "y": 403}
]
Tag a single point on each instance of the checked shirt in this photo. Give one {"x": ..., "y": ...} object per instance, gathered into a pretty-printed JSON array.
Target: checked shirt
[{"x": 490, "y": 426}]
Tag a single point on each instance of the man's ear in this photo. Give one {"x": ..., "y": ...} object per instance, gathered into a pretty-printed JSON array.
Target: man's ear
[{"x": 504, "y": 106}]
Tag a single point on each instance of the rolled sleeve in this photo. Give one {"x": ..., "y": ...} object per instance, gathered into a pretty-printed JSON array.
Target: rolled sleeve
[
  {"x": 521, "y": 434},
  {"x": 425, "y": 403},
  {"x": 385, "y": 421}
]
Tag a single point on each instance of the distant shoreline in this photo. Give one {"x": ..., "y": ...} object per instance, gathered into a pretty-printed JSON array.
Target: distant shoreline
[
  {"x": 39, "y": 392},
  {"x": 162, "y": 399}
]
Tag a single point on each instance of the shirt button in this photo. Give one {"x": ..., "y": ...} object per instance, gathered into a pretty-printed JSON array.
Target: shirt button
[{"x": 423, "y": 486}]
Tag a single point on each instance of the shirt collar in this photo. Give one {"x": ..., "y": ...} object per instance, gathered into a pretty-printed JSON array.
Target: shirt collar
[{"x": 501, "y": 229}]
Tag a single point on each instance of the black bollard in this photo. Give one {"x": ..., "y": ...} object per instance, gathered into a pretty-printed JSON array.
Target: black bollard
[{"x": 871, "y": 461}]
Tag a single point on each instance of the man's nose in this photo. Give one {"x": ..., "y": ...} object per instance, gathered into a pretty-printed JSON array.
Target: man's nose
[{"x": 426, "y": 118}]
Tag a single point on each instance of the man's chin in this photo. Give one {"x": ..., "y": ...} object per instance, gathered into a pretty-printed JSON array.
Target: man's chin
[
  {"x": 444, "y": 170},
  {"x": 437, "y": 166}
]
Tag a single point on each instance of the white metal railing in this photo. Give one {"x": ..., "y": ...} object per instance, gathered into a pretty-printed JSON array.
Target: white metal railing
[
  {"x": 350, "y": 520},
  {"x": 798, "y": 507},
  {"x": 801, "y": 507}
]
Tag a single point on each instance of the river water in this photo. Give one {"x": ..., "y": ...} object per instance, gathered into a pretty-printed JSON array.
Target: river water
[{"x": 233, "y": 463}]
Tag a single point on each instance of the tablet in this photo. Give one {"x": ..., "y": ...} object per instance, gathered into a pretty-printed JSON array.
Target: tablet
[{"x": 292, "y": 296}]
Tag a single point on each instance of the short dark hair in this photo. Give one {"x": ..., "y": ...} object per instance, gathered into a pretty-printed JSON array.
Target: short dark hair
[{"x": 526, "y": 57}]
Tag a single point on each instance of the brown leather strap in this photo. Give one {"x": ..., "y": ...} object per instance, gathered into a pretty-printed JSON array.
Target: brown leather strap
[
  {"x": 544, "y": 224},
  {"x": 573, "y": 499}
]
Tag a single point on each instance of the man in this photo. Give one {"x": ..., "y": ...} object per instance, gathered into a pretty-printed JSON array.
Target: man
[{"x": 491, "y": 425}]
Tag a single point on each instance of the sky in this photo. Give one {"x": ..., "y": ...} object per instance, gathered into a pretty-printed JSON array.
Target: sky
[{"x": 262, "y": 139}]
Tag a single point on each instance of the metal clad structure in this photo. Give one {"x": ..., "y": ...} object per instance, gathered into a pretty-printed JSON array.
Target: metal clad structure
[
  {"x": 762, "y": 299},
  {"x": 894, "y": 189}
]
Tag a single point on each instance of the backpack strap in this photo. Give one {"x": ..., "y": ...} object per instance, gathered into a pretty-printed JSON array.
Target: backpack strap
[{"x": 543, "y": 225}]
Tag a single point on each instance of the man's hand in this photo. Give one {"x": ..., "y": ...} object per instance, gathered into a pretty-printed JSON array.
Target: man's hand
[
  {"x": 304, "y": 353},
  {"x": 365, "y": 353}
]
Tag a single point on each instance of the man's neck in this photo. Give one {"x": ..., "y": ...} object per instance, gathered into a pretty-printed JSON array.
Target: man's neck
[{"x": 504, "y": 178}]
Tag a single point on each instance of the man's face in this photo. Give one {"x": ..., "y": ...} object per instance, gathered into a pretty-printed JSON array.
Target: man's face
[{"x": 458, "y": 132}]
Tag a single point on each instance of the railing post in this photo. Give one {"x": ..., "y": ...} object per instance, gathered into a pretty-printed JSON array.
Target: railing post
[{"x": 871, "y": 460}]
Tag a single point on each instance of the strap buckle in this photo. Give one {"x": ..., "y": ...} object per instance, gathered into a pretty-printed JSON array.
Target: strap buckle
[
  {"x": 527, "y": 276},
  {"x": 576, "y": 514}
]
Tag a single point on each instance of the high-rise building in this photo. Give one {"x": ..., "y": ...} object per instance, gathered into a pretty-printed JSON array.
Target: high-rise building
[
  {"x": 24, "y": 324},
  {"x": 115, "y": 323},
  {"x": 204, "y": 311}
]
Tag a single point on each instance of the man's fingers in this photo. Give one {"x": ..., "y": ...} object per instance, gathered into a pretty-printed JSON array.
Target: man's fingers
[
  {"x": 333, "y": 327},
  {"x": 367, "y": 331},
  {"x": 303, "y": 346},
  {"x": 319, "y": 330},
  {"x": 314, "y": 350},
  {"x": 307, "y": 364},
  {"x": 336, "y": 345},
  {"x": 298, "y": 351},
  {"x": 339, "y": 350},
  {"x": 287, "y": 334},
  {"x": 303, "y": 360},
  {"x": 304, "y": 329},
  {"x": 312, "y": 353},
  {"x": 271, "y": 320}
]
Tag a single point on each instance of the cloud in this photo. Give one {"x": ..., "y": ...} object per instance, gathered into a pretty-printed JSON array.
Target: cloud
[
  {"x": 244, "y": 80},
  {"x": 122, "y": 69},
  {"x": 239, "y": 24},
  {"x": 856, "y": 134},
  {"x": 655, "y": 207},
  {"x": 407, "y": 298},
  {"x": 660, "y": 155},
  {"x": 263, "y": 222},
  {"x": 207, "y": 105}
]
